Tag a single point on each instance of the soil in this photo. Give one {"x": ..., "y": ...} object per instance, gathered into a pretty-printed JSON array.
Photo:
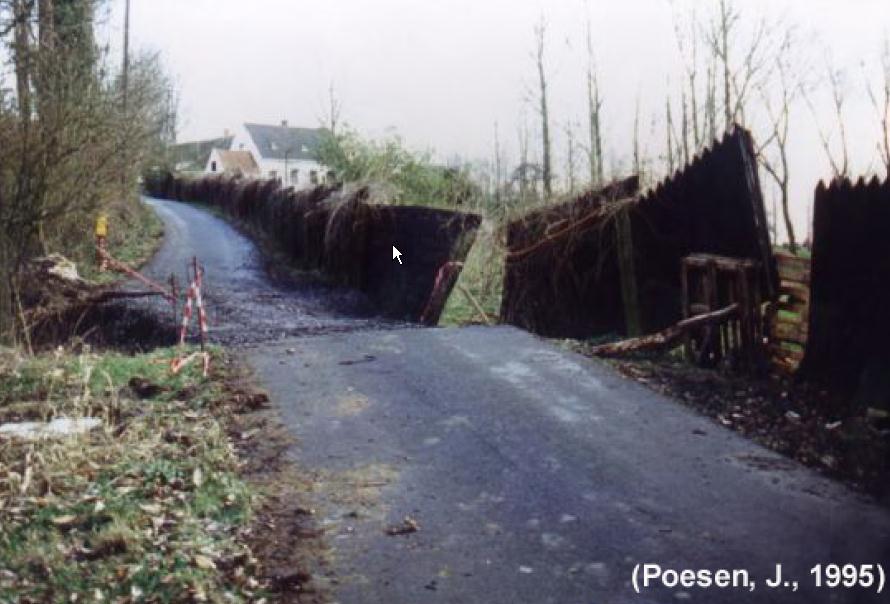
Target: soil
[{"x": 796, "y": 419}]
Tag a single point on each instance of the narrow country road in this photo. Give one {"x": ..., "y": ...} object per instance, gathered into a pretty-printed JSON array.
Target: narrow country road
[
  {"x": 535, "y": 475},
  {"x": 244, "y": 304}
]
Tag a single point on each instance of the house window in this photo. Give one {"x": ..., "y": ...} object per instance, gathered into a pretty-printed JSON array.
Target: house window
[
  {"x": 313, "y": 177},
  {"x": 295, "y": 176},
  {"x": 273, "y": 174},
  {"x": 213, "y": 166}
]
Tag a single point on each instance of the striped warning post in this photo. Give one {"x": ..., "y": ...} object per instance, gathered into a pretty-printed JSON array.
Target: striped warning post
[
  {"x": 193, "y": 299},
  {"x": 202, "y": 315},
  {"x": 187, "y": 313}
]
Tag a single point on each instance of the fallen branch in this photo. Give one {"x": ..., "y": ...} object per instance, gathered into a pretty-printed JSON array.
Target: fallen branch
[
  {"x": 121, "y": 267},
  {"x": 666, "y": 338}
]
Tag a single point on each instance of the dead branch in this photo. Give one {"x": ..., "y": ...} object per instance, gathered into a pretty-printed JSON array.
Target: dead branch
[{"x": 666, "y": 338}]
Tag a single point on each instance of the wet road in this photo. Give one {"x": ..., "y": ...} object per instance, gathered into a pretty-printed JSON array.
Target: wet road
[
  {"x": 535, "y": 475},
  {"x": 244, "y": 304}
]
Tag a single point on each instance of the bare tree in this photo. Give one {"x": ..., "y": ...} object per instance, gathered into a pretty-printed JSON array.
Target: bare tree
[
  {"x": 335, "y": 107},
  {"x": 684, "y": 137},
  {"x": 125, "y": 70},
  {"x": 523, "y": 161},
  {"x": 838, "y": 155},
  {"x": 740, "y": 76},
  {"x": 21, "y": 53},
  {"x": 498, "y": 165},
  {"x": 638, "y": 168},
  {"x": 669, "y": 139},
  {"x": 540, "y": 38},
  {"x": 881, "y": 103},
  {"x": 773, "y": 153},
  {"x": 594, "y": 109},
  {"x": 570, "y": 157},
  {"x": 710, "y": 116}
]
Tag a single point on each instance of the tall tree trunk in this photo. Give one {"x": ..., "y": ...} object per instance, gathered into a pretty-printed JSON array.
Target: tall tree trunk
[
  {"x": 669, "y": 126},
  {"x": 594, "y": 105},
  {"x": 685, "y": 126},
  {"x": 545, "y": 116},
  {"x": 497, "y": 166},
  {"x": 125, "y": 71},
  {"x": 570, "y": 158},
  {"x": 638, "y": 168},
  {"x": 786, "y": 212},
  {"x": 21, "y": 10},
  {"x": 46, "y": 46},
  {"x": 725, "y": 26}
]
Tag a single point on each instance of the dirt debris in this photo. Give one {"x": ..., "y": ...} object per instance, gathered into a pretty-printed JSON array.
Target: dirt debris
[
  {"x": 792, "y": 418},
  {"x": 405, "y": 527}
]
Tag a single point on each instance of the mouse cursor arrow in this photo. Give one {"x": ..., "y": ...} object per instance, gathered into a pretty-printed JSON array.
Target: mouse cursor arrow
[{"x": 396, "y": 254}]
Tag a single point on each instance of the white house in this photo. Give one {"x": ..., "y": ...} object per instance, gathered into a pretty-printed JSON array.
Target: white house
[
  {"x": 232, "y": 163},
  {"x": 283, "y": 152}
]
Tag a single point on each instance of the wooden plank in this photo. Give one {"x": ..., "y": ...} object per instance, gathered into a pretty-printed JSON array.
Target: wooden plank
[
  {"x": 795, "y": 275},
  {"x": 792, "y": 262},
  {"x": 790, "y": 332},
  {"x": 777, "y": 349},
  {"x": 786, "y": 366},
  {"x": 797, "y": 290},
  {"x": 798, "y": 308},
  {"x": 698, "y": 309},
  {"x": 725, "y": 263}
]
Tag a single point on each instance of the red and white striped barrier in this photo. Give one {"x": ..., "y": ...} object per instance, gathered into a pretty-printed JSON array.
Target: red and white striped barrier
[
  {"x": 193, "y": 300},
  {"x": 178, "y": 363}
]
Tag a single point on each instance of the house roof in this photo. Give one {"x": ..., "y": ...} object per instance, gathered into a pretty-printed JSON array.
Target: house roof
[
  {"x": 196, "y": 153},
  {"x": 238, "y": 161},
  {"x": 283, "y": 142}
]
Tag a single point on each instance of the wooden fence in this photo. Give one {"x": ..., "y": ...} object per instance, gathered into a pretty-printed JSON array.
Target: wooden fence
[
  {"x": 620, "y": 273},
  {"x": 345, "y": 236},
  {"x": 849, "y": 322}
]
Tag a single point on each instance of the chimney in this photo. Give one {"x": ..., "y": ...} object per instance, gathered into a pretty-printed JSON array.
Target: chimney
[
  {"x": 227, "y": 133},
  {"x": 284, "y": 123}
]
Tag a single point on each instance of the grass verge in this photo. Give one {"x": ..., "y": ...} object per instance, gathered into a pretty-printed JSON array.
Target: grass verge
[
  {"x": 480, "y": 283},
  {"x": 149, "y": 507}
]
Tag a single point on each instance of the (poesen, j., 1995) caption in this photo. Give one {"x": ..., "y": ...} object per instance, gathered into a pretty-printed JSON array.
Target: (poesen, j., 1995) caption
[{"x": 869, "y": 577}]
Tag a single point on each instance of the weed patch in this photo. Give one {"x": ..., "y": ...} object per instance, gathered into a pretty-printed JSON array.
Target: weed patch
[{"x": 150, "y": 507}]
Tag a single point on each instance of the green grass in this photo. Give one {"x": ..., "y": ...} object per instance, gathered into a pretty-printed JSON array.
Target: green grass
[
  {"x": 482, "y": 276},
  {"x": 146, "y": 508}
]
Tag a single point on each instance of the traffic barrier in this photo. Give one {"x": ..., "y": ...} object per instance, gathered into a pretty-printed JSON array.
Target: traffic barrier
[{"x": 193, "y": 300}]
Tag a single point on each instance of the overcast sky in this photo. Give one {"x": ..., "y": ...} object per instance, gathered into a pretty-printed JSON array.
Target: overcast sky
[{"x": 442, "y": 72}]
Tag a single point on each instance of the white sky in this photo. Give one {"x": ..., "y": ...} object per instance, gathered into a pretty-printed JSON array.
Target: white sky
[{"x": 442, "y": 72}]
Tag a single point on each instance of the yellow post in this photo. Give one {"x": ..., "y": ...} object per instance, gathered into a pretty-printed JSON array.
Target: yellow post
[
  {"x": 102, "y": 226},
  {"x": 101, "y": 239}
]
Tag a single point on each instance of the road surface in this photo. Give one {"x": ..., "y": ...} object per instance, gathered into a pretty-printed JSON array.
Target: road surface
[{"x": 534, "y": 475}]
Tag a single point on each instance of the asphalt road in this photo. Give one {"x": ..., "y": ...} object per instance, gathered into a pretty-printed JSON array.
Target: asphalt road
[
  {"x": 534, "y": 475},
  {"x": 245, "y": 304}
]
